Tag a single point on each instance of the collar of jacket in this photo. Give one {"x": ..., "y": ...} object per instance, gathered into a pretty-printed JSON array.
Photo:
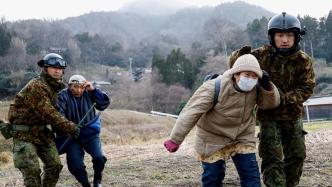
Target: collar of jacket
[
  {"x": 56, "y": 84},
  {"x": 291, "y": 51}
]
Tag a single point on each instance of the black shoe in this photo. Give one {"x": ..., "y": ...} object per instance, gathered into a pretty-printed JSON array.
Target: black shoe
[
  {"x": 97, "y": 180},
  {"x": 97, "y": 177},
  {"x": 97, "y": 184},
  {"x": 86, "y": 185}
]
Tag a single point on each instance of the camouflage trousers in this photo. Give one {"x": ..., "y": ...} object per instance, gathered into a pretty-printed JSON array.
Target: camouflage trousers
[
  {"x": 283, "y": 151},
  {"x": 26, "y": 156}
]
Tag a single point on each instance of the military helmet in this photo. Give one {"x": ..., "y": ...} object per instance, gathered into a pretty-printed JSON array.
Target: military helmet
[
  {"x": 285, "y": 23},
  {"x": 52, "y": 60}
]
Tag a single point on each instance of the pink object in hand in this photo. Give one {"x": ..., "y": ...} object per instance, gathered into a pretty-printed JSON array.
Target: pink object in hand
[{"x": 171, "y": 146}]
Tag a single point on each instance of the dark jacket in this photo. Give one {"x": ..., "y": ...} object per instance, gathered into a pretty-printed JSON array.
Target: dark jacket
[{"x": 75, "y": 109}]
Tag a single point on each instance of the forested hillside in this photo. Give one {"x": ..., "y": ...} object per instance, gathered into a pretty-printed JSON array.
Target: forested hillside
[{"x": 151, "y": 60}]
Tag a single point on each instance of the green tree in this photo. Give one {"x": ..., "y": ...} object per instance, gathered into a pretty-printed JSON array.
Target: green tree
[
  {"x": 158, "y": 65},
  {"x": 5, "y": 38},
  {"x": 321, "y": 36},
  {"x": 33, "y": 47},
  {"x": 180, "y": 69},
  {"x": 311, "y": 39},
  {"x": 329, "y": 37},
  {"x": 176, "y": 69},
  {"x": 257, "y": 31},
  {"x": 164, "y": 70},
  {"x": 96, "y": 49}
]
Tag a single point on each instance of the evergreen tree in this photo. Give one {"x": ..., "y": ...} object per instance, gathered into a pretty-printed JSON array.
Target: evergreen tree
[
  {"x": 95, "y": 49},
  {"x": 257, "y": 31},
  {"x": 176, "y": 69},
  {"x": 158, "y": 66},
  {"x": 311, "y": 38},
  {"x": 181, "y": 69},
  {"x": 329, "y": 38},
  {"x": 5, "y": 38},
  {"x": 321, "y": 37}
]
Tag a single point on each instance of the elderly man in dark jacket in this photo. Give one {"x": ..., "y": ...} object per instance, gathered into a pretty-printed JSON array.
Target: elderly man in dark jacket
[{"x": 75, "y": 103}]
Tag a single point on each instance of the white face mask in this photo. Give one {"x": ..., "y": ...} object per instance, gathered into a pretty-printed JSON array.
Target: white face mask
[{"x": 246, "y": 84}]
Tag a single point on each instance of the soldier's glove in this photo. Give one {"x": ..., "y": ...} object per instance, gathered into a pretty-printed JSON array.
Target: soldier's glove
[
  {"x": 6, "y": 129},
  {"x": 76, "y": 132},
  {"x": 265, "y": 81},
  {"x": 236, "y": 54},
  {"x": 244, "y": 50}
]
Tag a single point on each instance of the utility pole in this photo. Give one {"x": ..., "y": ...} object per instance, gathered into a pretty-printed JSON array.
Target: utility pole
[
  {"x": 225, "y": 48},
  {"x": 312, "y": 50},
  {"x": 130, "y": 65}
]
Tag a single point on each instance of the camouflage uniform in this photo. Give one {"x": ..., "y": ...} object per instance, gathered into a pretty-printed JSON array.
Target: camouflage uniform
[
  {"x": 282, "y": 146},
  {"x": 33, "y": 107}
]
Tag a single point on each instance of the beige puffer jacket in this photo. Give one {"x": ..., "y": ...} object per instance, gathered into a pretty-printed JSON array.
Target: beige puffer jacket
[{"x": 230, "y": 121}]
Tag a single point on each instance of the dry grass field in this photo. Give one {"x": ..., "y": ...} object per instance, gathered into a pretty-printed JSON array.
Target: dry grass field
[{"x": 133, "y": 144}]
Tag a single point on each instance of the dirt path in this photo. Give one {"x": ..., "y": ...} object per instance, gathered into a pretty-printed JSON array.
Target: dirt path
[{"x": 148, "y": 164}]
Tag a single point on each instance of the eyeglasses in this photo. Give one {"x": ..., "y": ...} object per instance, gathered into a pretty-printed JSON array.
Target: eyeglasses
[{"x": 57, "y": 62}]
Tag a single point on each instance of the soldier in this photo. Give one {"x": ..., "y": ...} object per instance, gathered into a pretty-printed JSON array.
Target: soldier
[
  {"x": 30, "y": 114},
  {"x": 282, "y": 146}
]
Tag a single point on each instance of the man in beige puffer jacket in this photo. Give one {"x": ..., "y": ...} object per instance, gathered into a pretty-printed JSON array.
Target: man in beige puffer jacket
[{"x": 228, "y": 128}]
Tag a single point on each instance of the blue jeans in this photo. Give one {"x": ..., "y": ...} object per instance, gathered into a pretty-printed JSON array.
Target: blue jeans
[
  {"x": 75, "y": 159},
  {"x": 246, "y": 166}
]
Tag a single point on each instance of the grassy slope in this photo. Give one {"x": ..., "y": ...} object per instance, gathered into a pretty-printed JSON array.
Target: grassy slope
[{"x": 132, "y": 142}]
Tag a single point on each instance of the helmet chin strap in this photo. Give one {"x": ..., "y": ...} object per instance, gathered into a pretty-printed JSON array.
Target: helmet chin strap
[{"x": 287, "y": 51}]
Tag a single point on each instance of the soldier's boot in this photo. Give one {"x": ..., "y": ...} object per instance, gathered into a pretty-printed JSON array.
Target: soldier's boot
[
  {"x": 293, "y": 171},
  {"x": 50, "y": 176},
  {"x": 273, "y": 173},
  {"x": 31, "y": 177}
]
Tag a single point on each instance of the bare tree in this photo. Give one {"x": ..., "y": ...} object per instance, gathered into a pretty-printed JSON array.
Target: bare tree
[{"x": 225, "y": 35}]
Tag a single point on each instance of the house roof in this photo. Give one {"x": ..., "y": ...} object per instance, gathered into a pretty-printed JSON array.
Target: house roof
[{"x": 327, "y": 100}]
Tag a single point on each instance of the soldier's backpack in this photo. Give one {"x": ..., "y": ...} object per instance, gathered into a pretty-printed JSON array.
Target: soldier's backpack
[{"x": 217, "y": 83}]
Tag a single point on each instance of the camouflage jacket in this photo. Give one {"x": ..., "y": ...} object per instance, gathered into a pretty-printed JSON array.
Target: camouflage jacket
[
  {"x": 293, "y": 75},
  {"x": 34, "y": 106}
]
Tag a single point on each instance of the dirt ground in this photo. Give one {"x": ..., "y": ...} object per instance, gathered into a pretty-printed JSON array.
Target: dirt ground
[{"x": 141, "y": 160}]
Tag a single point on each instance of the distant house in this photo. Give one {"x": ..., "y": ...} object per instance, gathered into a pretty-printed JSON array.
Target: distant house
[
  {"x": 57, "y": 49},
  {"x": 318, "y": 108}
]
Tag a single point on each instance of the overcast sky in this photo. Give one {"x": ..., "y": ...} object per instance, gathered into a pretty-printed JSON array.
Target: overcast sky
[{"x": 59, "y": 9}]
